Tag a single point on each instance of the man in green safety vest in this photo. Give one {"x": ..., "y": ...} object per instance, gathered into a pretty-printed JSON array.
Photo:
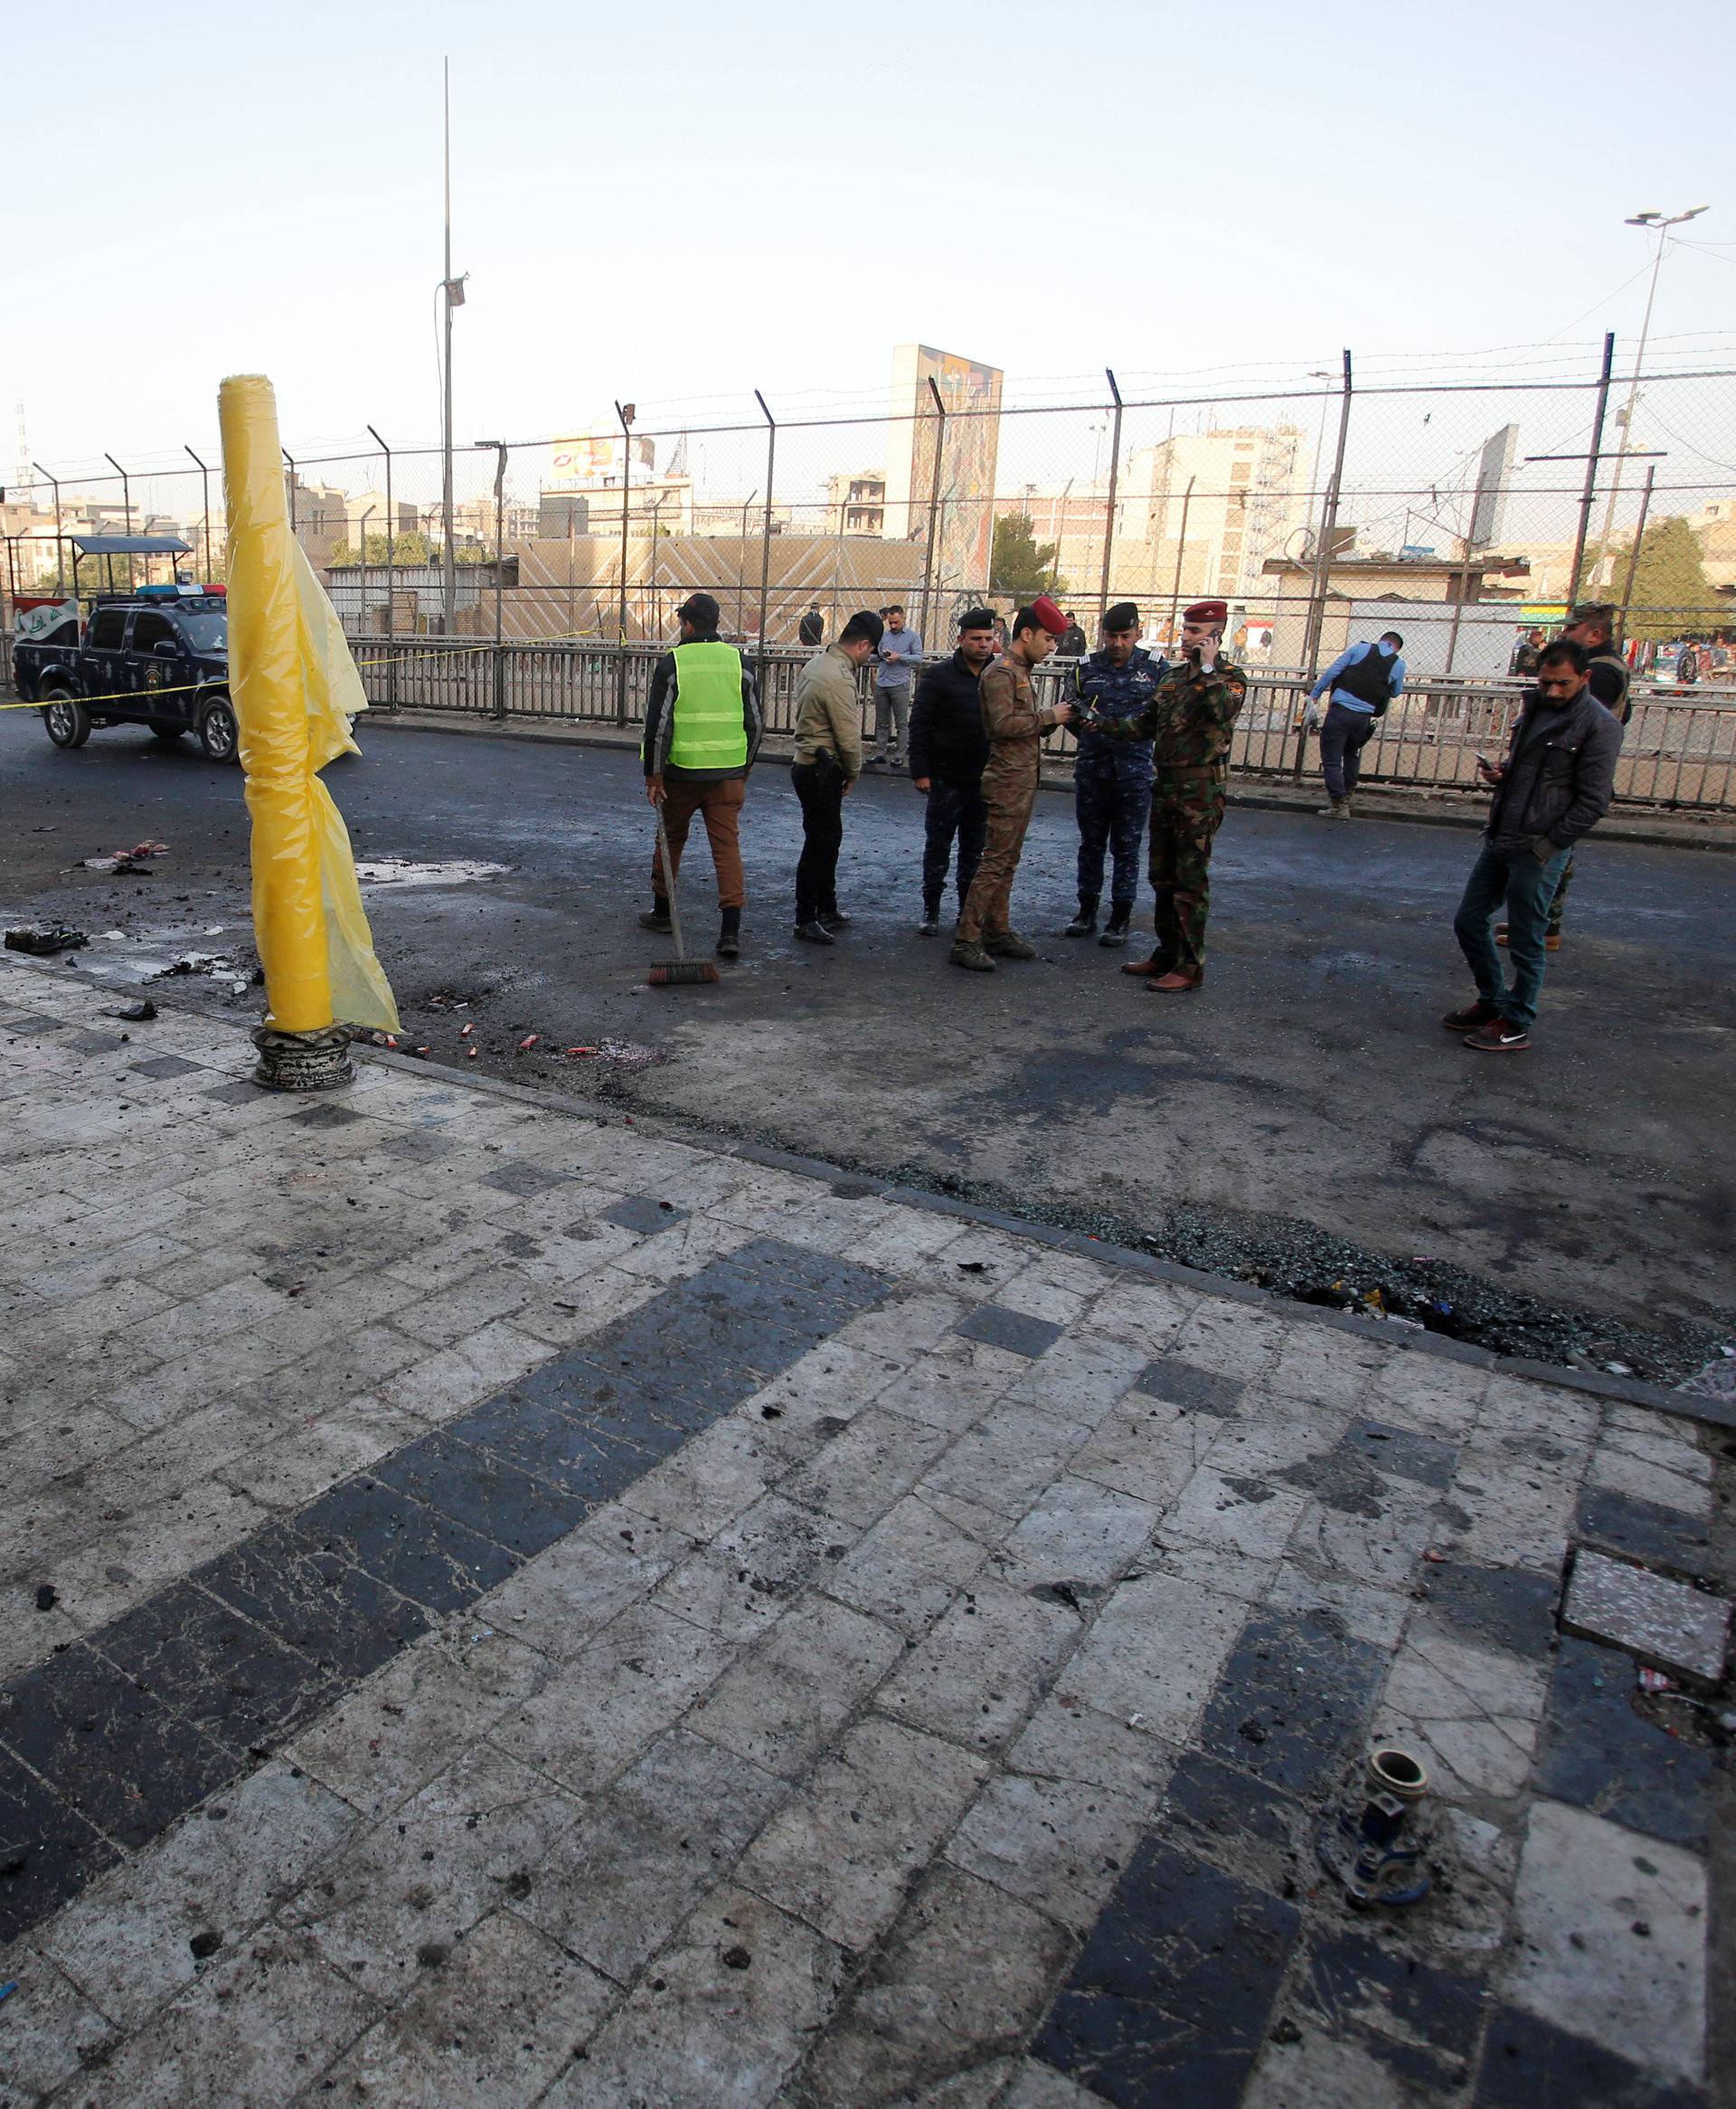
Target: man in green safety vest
[{"x": 702, "y": 724}]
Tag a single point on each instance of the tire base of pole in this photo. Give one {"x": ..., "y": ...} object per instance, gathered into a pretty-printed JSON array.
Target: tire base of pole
[{"x": 303, "y": 1061}]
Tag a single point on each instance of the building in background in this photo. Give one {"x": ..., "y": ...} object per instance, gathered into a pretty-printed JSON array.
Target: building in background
[
  {"x": 963, "y": 496},
  {"x": 581, "y": 490},
  {"x": 1241, "y": 494},
  {"x": 856, "y": 502}
]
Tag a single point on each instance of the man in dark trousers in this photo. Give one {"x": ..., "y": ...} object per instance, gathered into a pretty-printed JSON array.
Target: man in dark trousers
[
  {"x": 949, "y": 749},
  {"x": 1190, "y": 720},
  {"x": 811, "y": 631},
  {"x": 1072, "y": 638},
  {"x": 1015, "y": 726},
  {"x": 828, "y": 761},
  {"x": 1590, "y": 625},
  {"x": 703, "y": 725},
  {"x": 1111, "y": 778},
  {"x": 1554, "y": 786},
  {"x": 1364, "y": 681}
]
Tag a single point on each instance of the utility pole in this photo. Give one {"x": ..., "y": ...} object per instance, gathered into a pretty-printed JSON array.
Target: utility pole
[
  {"x": 1660, "y": 225},
  {"x": 452, "y": 296}
]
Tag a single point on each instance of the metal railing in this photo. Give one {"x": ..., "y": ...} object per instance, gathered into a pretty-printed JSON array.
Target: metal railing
[{"x": 1679, "y": 753}]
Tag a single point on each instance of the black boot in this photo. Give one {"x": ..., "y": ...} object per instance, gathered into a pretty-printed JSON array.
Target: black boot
[
  {"x": 729, "y": 940},
  {"x": 1115, "y": 932},
  {"x": 658, "y": 919},
  {"x": 1085, "y": 921},
  {"x": 931, "y": 921}
]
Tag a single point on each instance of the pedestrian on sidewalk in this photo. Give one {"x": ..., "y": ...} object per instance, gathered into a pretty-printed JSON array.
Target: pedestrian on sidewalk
[
  {"x": 1189, "y": 721},
  {"x": 1364, "y": 681},
  {"x": 949, "y": 752},
  {"x": 1073, "y": 639},
  {"x": 828, "y": 761},
  {"x": 1553, "y": 787},
  {"x": 1014, "y": 726},
  {"x": 896, "y": 661},
  {"x": 703, "y": 725},
  {"x": 1591, "y": 625},
  {"x": 811, "y": 631},
  {"x": 1112, "y": 777}
]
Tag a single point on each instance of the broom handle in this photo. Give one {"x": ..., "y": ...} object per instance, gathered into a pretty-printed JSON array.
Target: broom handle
[{"x": 669, "y": 881}]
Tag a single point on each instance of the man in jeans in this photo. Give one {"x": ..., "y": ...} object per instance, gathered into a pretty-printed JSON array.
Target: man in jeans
[
  {"x": 828, "y": 761},
  {"x": 702, "y": 733},
  {"x": 899, "y": 655},
  {"x": 949, "y": 750},
  {"x": 1362, "y": 681},
  {"x": 1553, "y": 787}
]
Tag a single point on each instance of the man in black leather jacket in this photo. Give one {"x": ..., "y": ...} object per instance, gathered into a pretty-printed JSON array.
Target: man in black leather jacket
[
  {"x": 1554, "y": 786},
  {"x": 948, "y": 749}
]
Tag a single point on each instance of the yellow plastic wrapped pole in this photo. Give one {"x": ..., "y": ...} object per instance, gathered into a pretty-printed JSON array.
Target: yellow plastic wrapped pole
[{"x": 295, "y": 690}]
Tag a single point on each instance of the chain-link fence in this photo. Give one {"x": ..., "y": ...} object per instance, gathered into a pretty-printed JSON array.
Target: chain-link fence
[{"x": 1463, "y": 512}]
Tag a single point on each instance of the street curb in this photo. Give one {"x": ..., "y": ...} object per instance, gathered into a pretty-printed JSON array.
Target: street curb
[
  {"x": 1660, "y": 834},
  {"x": 1624, "y": 1391}
]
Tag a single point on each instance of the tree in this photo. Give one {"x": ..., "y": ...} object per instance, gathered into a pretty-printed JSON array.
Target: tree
[
  {"x": 411, "y": 548},
  {"x": 1672, "y": 595},
  {"x": 1019, "y": 563}
]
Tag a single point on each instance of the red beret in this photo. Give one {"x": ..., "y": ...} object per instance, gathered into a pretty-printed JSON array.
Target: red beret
[
  {"x": 1049, "y": 615},
  {"x": 1207, "y": 611}
]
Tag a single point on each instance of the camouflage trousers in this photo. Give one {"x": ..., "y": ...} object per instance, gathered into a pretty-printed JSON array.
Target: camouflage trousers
[
  {"x": 1112, "y": 810},
  {"x": 1186, "y": 809},
  {"x": 988, "y": 904}
]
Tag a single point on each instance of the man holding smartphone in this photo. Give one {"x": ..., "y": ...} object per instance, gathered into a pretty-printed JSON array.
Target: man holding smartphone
[{"x": 1554, "y": 786}]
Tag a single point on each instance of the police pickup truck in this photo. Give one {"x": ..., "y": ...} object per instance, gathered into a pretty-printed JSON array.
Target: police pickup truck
[{"x": 157, "y": 657}]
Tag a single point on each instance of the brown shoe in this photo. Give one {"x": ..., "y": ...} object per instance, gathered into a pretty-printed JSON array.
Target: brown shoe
[
  {"x": 1175, "y": 984},
  {"x": 1146, "y": 969}
]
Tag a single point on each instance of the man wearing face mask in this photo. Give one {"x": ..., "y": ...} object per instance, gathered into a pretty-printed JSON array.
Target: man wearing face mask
[
  {"x": 1189, "y": 721},
  {"x": 1014, "y": 726},
  {"x": 948, "y": 749},
  {"x": 1112, "y": 779}
]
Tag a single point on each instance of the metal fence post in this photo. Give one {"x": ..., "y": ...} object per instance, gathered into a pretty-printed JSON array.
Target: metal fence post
[
  {"x": 1180, "y": 550},
  {"x": 500, "y": 584},
  {"x": 204, "y": 479},
  {"x": 126, "y": 501},
  {"x": 1323, "y": 563},
  {"x": 294, "y": 479},
  {"x": 1589, "y": 497},
  {"x": 59, "y": 540},
  {"x": 1109, "y": 524},
  {"x": 765, "y": 536},
  {"x": 625, "y": 412},
  {"x": 934, "y": 508},
  {"x": 392, "y": 543}
]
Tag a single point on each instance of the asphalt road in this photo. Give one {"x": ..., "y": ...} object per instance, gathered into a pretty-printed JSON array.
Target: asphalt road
[{"x": 1307, "y": 1095}]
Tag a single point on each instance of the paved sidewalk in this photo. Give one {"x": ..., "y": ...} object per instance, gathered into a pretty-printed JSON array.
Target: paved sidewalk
[{"x": 505, "y": 1607}]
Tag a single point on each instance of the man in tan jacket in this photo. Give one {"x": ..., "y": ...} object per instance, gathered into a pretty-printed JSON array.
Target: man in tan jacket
[
  {"x": 1015, "y": 727},
  {"x": 828, "y": 761}
]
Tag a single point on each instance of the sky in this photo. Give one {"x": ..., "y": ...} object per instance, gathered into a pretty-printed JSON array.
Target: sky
[{"x": 674, "y": 204}]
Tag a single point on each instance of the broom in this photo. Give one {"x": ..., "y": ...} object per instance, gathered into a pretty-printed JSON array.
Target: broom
[{"x": 683, "y": 973}]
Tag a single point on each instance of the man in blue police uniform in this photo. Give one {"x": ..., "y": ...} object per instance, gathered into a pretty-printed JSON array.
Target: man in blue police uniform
[{"x": 1112, "y": 777}]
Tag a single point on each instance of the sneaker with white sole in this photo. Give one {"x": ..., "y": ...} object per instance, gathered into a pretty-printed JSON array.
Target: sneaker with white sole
[{"x": 1499, "y": 1036}]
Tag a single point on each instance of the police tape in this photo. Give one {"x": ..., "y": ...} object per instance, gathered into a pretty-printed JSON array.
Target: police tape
[{"x": 566, "y": 637}]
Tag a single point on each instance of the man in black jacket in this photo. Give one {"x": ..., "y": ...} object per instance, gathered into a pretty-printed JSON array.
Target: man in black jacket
[
  {"x": 1554, "y": 786},
  {"x": 949, "y": 749}
]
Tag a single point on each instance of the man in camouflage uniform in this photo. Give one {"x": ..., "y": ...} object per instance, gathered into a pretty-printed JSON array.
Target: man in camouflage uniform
[
  {"x": 1015, "y": 727},
  {"x": 1189, "y": 721},
  {"x": 1112, "y": 779}
]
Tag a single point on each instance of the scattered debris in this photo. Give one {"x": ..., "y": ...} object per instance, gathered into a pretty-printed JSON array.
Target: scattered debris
[
  {"x": 972, "y": 1266},
  {"x": 431, "y": 1954},
  {"x": 47, "y": 1596},
  {"x": 579, "y": 1050},
  {"x": 205, "y": 1944},
  {"x": 464, "y": 1031},
  {"x": 123, "y": 861},
  {"x": 217, "y": 967},
  {"x": 528, "y": 1042},
  {"x": 7, "y": 1988},
  {"x": 1654, "y": 1680},
  {"x": 737, "y": 1958},
  {"x": 392, "y": 871},
  {"x": 136, "y": 1014},
  {"x": 42, "y": 938}
]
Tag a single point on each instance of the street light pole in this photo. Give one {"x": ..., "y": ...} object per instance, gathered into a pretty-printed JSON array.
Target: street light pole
[{"x": 1660, "y": 223}]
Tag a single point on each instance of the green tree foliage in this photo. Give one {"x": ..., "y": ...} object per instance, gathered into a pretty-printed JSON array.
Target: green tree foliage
[
  {"x": 1020, "y": 564},
  {"x": 411, "y": 548},
  {"x": 1672, "y": 596}
]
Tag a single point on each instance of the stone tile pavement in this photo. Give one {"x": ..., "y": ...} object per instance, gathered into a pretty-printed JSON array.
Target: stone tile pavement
[{"x": 502, "y": 1606}]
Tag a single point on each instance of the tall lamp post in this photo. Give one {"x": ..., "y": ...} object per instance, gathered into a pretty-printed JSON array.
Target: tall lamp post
[
  {"x": 452, "y": 296},
  {"x": 1660, "y": 225}
]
